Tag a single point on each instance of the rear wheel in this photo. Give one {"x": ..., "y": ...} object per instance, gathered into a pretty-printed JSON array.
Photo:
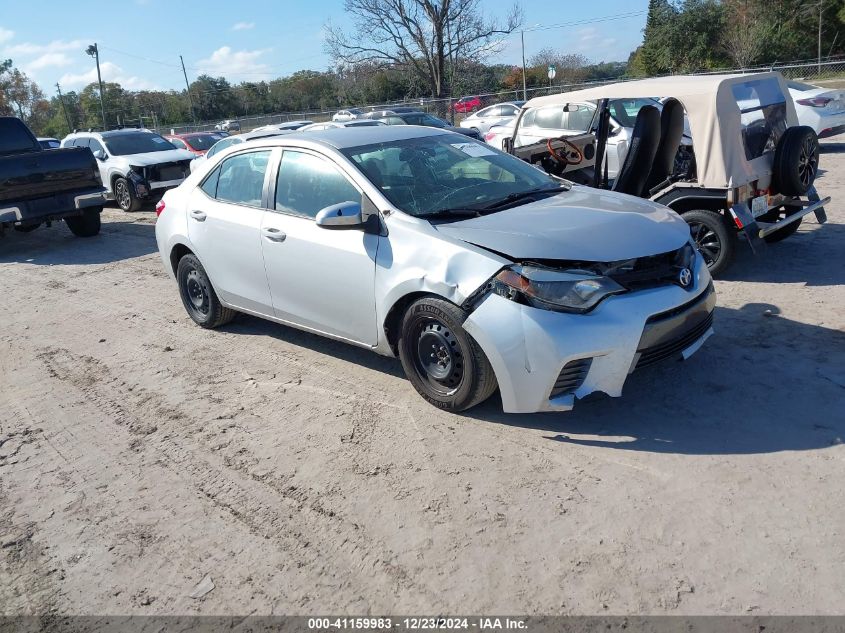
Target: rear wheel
[
  {"x": 198, "y": 296},
  {"x": 124, "y": 195},
  {"x": 445, "y": 365},
  {"x": 714, "y": 239},
  {"x": 85, "y": 225}
]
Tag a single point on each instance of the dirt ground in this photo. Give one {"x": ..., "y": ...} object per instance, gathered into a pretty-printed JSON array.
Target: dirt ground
[{"x": 140, "y": 454}]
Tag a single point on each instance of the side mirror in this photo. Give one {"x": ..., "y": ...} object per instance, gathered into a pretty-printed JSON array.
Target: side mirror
[
  {"x": 100, "y": 155},
  {"x": 346, "y": 215}
]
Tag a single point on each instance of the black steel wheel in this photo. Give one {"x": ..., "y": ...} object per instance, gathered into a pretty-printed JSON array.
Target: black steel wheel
[
  {"x": 444, "y": 364},
  {"x": 198, "y": 295},
  {"x": 713, "y": 238}
]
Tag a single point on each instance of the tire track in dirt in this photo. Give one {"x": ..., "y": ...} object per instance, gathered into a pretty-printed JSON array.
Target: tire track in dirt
[{"x": 317, "y": 536}]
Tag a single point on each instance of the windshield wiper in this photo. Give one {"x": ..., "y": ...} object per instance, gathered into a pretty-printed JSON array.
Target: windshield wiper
[
  {"x": 514, "y": 197},
  {"x": 465, "y": 212}
]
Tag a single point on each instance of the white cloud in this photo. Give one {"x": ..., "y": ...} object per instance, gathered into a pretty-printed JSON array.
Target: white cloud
[
  {"x": 228, "y": 63},
  {"x": 243, "y": 26},
  {"x": 5, "y": 35},
  {"x": 48, "y": 60},
  {"x": 110, "y": 72},
  {"x": 56, "y": 46}
]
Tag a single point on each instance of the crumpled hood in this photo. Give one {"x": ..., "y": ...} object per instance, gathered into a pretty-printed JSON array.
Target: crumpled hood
[
  {"x": 581, "y": 224},
  {"x": 157, "y": 158}
]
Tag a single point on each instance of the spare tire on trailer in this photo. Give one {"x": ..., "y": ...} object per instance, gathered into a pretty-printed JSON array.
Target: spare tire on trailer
[{"x": 796, "y": 161}]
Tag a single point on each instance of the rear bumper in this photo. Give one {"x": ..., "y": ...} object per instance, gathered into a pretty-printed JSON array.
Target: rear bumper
[
  {"x": 534, "y": 352},
  {"x": 755, "y": 230},
  {"x": 832, "y": 131},
  {"x": 53, "y": 207}
]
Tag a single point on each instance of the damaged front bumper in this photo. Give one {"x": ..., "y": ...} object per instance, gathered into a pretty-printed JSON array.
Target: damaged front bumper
[
  {"x": 544, "y": 360},
  {"x": 147, "y": 186}
]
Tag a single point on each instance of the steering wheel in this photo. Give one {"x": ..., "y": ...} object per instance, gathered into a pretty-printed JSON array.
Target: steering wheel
[{"x": 569, "y": 154}]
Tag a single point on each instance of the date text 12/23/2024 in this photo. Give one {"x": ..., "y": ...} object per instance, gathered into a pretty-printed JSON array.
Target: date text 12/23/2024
[{"x": 416, "y": 623}]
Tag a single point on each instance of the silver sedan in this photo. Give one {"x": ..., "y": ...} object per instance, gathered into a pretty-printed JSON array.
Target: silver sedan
[{"x": 478, "y": 270}]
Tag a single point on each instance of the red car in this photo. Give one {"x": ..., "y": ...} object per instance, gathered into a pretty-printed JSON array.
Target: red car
[
  {"x": 195, "y": 142},
  {"x": 467, "y": 104}
]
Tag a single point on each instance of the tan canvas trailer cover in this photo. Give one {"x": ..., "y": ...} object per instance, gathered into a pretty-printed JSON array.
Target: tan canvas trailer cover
[{"x": 714, "y": 118}]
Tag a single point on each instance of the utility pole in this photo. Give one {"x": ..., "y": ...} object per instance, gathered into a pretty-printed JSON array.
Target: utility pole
[
  {"x": 820, "y": 38},
  {"x": 524, "y": 83},
  {"x": 94, "y": 52},
  {"x": 64, "y": 109},
  {"x": 188, "y": 88}
]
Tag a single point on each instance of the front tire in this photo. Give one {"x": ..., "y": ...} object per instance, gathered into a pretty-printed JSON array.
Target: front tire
[
  {"x": 124, "y": 195},
  {"x": 85, "y": 225},
  {"x": 444, "y": 364},
  {"x": 198, "y": 296},
  {"x": 714, "y": 239}
]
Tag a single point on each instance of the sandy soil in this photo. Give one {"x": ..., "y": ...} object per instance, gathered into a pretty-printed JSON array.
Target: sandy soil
[{"x": 140, "y": 454}]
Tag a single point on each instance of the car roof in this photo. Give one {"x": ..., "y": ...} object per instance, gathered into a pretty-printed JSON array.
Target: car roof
[{"x": 346, "y": 137}]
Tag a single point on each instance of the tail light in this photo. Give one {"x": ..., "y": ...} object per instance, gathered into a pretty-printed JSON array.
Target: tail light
[
  {"x": 159, "y": 208},
  {"x": 489, "y": 136},
  {"x": 815, "y": 102}
]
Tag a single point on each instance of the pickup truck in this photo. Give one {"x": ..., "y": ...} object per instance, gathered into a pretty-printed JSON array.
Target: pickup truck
[{"x": 42, "y": 186}]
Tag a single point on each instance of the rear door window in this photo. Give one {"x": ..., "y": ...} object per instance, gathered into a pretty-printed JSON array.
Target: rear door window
[{"x": 762, "y": 107}]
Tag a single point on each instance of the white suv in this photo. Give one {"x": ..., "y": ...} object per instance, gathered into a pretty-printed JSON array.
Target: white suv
[{"x": 136, "y": 166}]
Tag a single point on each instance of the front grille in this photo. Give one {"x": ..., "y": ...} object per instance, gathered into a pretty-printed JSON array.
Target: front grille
[
  {"x": 571, "y": 376},
  {"x": 654, "y": 270},
  {"x": 668, "y": 349},
  {"x": 168, "y": 171}
]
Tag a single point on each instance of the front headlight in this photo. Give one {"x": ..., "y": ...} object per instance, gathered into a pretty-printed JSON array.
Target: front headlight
[{"x": 565, "y": 291}]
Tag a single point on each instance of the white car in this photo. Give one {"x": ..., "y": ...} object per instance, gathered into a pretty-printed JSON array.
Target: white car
[
  {"x": 330, "y": 125},
  {"x": 136, "y": 166},
  {"x": 347, "y": 115},
  {"x": 820, "y": 108},
  {"x": 475, "y": 268},
  {"x": 499, "y": 114}
]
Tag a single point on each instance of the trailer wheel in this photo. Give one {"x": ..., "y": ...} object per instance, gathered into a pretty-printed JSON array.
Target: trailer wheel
[
  {"x": 714, "y": 239},
  {"x": 781, "y": 234}
]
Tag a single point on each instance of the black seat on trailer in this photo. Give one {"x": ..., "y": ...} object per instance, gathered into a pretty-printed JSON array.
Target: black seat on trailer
[
  {"x": 671, "y": 132},
  {"x": 633, "y": 174}
]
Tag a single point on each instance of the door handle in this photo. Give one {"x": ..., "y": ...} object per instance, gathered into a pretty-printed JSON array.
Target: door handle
[
  {"x": 199, "y": 216},
  {"x": 274, "y": 235}
]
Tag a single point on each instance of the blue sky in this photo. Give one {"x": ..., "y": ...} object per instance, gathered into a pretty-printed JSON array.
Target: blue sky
[{"x": 140, "y": 40}]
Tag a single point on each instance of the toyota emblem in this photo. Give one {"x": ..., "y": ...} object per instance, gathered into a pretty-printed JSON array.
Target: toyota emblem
[{"x": 685, "y": 277}]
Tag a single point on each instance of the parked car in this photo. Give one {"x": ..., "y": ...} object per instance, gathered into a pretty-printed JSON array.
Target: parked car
[
  {"x": 136, "y": 166},
  {"x": 198, "y": 143},
  {"x": 39, "y": 186},
  {"x": 395, "y": 109},
  {"x": 227, "y": 142},
  {"x": 228, "y": 126},
  {"x": 478, "y": 270},
  {"x": 499, "y": 114},
  {"x": 422, "y": 118},
  {"x": 466, "y": 104},
  {"x": 347, "y": 115},
  {"x": 752, "y": 171},
  {"x": 48, "y": 142},
  {"x": 329, "y": 125},
  {"x": 285, "y": 126},
  {"x": 822, "y": 109}
]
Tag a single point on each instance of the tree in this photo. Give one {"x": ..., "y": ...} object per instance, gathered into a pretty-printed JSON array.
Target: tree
[
  {"x": 426, "y": 36},
  {"x": 745, "y": 37}
]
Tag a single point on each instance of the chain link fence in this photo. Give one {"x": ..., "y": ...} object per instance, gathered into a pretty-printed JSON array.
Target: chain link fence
[{"x": 828, "y": 72}]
